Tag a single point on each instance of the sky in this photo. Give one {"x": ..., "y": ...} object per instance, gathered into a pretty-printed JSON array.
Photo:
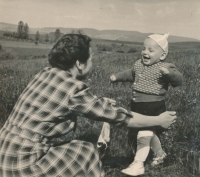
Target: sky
[{"x": 176, "y": 17}]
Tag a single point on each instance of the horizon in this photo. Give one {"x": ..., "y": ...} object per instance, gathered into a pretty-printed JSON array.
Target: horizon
[
  {"x": 144, "y": 16},
  {"x": 99, "y": 30},
  {"x": 41, "y": 32}
]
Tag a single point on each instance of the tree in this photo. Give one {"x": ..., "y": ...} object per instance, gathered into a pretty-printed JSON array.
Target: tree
[
  {"x": 26, "y": 31},
  {"x": 23, "y": 30},
  {"x": 7, "y": 34},
  {"x": 57, "y": 34},
  {"x": 37, "y": 37},
  {"x": 14, "y": 34},
  {"x": 47, "y": 37},
  {"x": 20, "y": 29}
]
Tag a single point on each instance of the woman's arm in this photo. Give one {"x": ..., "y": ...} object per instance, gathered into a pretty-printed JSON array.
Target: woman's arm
[
  {"x": 164, "y": 120},
  {"x": 85, "y": 104}
]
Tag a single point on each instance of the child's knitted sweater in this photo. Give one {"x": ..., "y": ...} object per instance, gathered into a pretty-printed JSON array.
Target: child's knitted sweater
[{"x": 148, "y": 83}]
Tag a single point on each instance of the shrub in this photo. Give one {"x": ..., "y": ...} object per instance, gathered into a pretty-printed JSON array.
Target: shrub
[
  {"x": 5, "y": 55},
  {"x": 104, "y": 48},
  {"x": 132, "y": 50},
  {"x": 120, "y": 51}
]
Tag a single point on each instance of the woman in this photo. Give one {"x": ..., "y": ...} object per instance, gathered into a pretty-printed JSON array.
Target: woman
[{"x": 47, "y": 110}]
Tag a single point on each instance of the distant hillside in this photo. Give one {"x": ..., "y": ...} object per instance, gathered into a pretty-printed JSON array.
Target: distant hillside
[
  {"x": 132, "y": 36},
  {"x": 7, "y": 27}
]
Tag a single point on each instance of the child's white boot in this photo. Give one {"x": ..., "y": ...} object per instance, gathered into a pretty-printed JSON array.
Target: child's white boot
[
  {"x": 158, "y": 160},
  {"x": 134, "y": 169}
]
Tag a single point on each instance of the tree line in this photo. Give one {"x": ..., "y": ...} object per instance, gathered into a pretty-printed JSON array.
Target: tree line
[
  {"x": 47, "y": 38},
  {"x": 23, "y": 33}
]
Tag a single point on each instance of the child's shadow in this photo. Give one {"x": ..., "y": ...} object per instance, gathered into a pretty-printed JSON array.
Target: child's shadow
[
  {"x": 119, "y": 162},
  {"x": 116, "y": 161}
]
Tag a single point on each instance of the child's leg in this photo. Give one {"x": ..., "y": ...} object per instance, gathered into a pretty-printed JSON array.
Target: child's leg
[
  {"x": 143, "y": 145},
  {"x": 158, "y": 151},
  {"x": 156, "y": 146}
]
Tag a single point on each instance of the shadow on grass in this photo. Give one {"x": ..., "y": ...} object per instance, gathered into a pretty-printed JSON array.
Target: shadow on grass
[{"x": 116, "y": 161}]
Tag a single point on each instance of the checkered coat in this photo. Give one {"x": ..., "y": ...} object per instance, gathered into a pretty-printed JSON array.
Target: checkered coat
[{"x": 31, "y": 141}]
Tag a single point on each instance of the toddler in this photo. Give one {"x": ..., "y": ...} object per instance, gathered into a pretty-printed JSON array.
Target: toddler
[{"x": 151, "y": 77}]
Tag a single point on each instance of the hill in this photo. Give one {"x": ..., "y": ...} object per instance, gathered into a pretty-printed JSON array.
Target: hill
[{"x": 120, "y": 35}]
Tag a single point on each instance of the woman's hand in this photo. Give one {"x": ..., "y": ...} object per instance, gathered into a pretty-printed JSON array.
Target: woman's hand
[{"x": 167, "y": 118}]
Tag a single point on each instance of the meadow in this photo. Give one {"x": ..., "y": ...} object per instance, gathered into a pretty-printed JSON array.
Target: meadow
[{"x": 20, "y": 61}]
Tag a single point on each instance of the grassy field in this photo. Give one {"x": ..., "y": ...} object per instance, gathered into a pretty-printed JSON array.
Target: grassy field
[
  {"x": 22, "y": 44},
  {"x": 182, "y": 142}
]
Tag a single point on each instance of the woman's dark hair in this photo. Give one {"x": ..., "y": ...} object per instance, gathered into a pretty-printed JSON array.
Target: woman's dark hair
[{"x": 69, "y": 49}]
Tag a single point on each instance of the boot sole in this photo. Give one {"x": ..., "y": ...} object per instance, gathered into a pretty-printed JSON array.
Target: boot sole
[{"x": 135, "y": 174}]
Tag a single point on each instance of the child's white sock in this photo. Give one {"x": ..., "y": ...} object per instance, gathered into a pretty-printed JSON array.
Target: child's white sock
[
  {"x": 156, "y": 146},
  {"x": 143, "y": 145}
]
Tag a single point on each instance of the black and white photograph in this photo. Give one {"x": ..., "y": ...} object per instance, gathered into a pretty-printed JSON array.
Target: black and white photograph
[{"x": 99, "y": 88}]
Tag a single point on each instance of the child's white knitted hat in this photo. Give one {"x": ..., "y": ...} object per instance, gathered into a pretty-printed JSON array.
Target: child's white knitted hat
[{"x": 161, "y": 40}]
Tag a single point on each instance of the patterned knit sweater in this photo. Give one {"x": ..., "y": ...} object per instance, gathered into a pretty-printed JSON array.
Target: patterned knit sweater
[{"x": 148, "y": 83}]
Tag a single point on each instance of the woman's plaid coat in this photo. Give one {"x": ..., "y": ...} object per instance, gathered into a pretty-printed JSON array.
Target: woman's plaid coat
[{"x": 46, "y": 112}]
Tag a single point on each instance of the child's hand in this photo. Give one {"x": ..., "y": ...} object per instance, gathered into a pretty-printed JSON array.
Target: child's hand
[
  {"x": 164, "y": 71},
  {"x": 112, "y": 78}
]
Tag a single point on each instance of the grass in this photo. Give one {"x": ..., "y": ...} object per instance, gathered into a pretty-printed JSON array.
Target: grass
[
  {"x": 182, "y": 142},
  {"x": 16, "y": 43}
]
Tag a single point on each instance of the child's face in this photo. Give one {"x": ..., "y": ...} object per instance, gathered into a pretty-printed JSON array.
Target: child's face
[{"x": 152, "y": 52}]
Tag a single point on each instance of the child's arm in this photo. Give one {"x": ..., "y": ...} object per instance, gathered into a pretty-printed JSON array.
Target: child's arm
[
  {"x": 124, "y": 76},
  {"x": 172, "y": 75}
]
